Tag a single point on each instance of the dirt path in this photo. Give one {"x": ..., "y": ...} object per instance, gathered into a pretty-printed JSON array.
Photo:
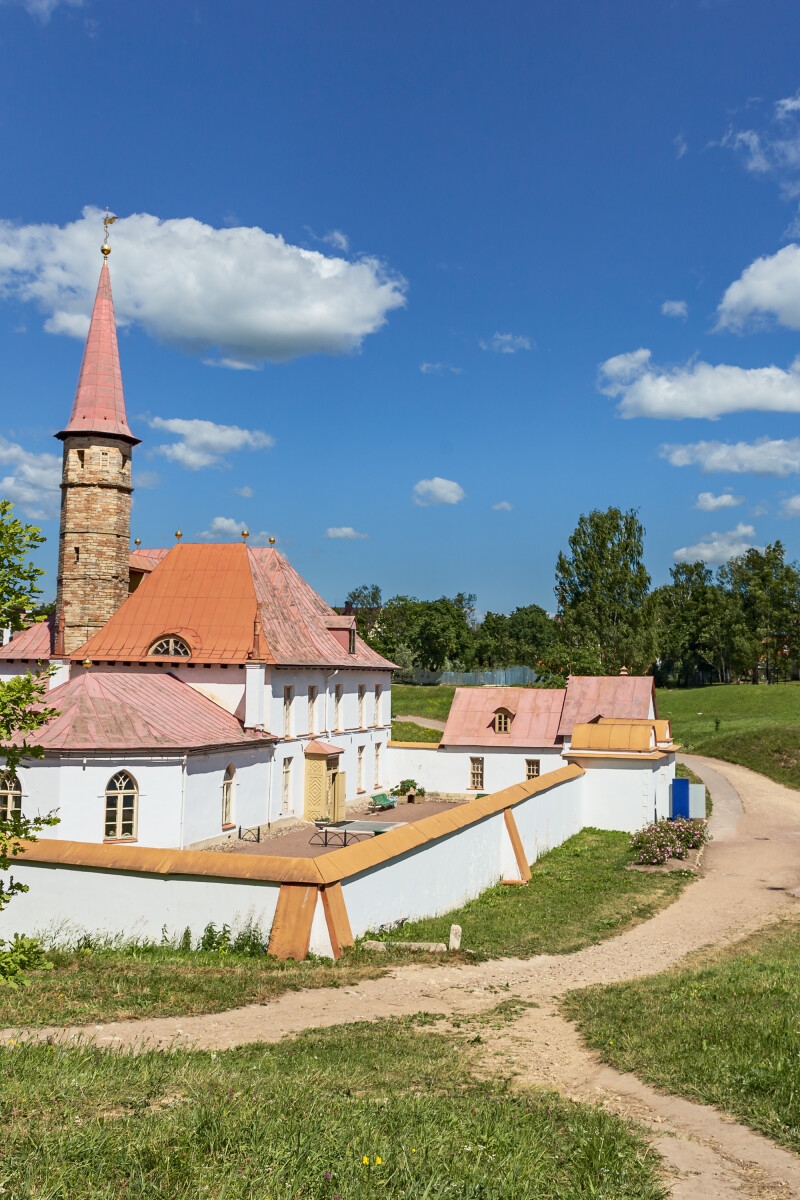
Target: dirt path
[
  {"x": 752, "y": 872},
  {"x": 425, "y": 722}
]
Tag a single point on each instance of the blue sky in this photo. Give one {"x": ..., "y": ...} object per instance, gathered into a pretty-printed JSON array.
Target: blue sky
[{"x": 412, "y": 258}]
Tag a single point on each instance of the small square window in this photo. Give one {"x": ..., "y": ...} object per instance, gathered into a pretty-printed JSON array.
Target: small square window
[
  {"x": 533, "y": 768},
  {"x": 476, "y": 774}
]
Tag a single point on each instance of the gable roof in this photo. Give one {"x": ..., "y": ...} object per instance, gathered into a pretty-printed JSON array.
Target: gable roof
[
  {"x": 119, "y": 710},
  {"x": 590, "y": 696},
  {"x": 537, "y": 712},
  {"x": 231, "y": 604}
]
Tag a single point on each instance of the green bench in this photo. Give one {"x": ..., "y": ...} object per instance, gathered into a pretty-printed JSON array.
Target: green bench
[{"x": 380, "y": 801}]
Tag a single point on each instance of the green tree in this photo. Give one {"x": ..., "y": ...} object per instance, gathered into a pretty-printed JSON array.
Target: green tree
[
  {"x": 18, "y": 575},
  {"x": 601, "y": 586},
  {"x": 365, "y": 601},
  {"x": 532, "y": 633},
  {"x": 22, "y": 698},
  {"x": 767, "y": 589}
]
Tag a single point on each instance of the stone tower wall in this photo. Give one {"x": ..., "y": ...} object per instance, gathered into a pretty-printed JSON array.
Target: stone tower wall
[{"x": 93, "y": 572}]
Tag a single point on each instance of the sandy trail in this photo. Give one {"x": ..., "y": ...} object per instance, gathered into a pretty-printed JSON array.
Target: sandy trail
[{"x": 752, "y": 874}]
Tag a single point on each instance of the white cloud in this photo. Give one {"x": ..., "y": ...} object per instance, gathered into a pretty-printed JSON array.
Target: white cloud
[
  {"x": 770, "y": 286},
  {"x": 345, "y": 533},
  {"x": 774, "y": 148},
  {"x": 145, "y": 479},
  {"x": 791, "y": 506},
  {"x": 502, "y": 506},
  {"x": 708, "y": 502},
  {"x": 697, "y": 389},
  {"x": 203, "y": 443},
  {"x": 337, "y": 239},
  {"x": 717, "y": 548},
  {"x": 226, "y": 529},
  {"x": 779, "y": 457},
  {"x": 246, "y": 492},
  {"x": 44, "y": 9},
  {"x": 437, "y": 491},
  {"x": 506, "y": 343},
  {"x": 429, "y": 368},
  {"x": 681, "y": 145},
  {"x": 238, "y": 295},
  {"x": 675, "y": 308},
  {"x": 34, "y": 484}
]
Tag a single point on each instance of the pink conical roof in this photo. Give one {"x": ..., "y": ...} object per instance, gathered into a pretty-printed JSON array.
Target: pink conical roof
[{"x": 99, "y": 404}]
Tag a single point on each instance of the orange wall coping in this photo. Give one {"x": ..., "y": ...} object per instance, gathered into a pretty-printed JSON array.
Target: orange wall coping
[
  {"x": 326, "y": 869},
  {"x": 414, "y": 745}
]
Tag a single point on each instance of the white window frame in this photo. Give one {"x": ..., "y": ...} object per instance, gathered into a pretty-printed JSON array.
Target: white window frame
[
  {"x": 337, "y": 706},
  {"x": 362, "y": 692},
  {"x": 312, "y": 708},
  {"x": 286, "y": 786},
  {"x": 119, "y": 814},
  {"x": 378, "y": 764},
  {"x": 227, "y": 796},
  {"x": 288, "y": 699},
  {"x": 378, "y": 698},
  {"x": 360, "y": 769}
]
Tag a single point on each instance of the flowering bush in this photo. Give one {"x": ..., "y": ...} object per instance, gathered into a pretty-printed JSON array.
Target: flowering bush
[{"x": 668, "y": 839}]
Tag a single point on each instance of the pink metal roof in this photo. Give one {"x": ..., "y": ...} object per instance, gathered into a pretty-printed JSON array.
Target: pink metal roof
[
  {"x": 590, "y": 696},
  {"x": 231, "y": 604},
  {"x": 317, "y": 747},
  {"x": 537, "y": 712},
  {"x": 145, "y": 560},
  {"x": 99, "y": 404},
  {"x": 119, "y": 710},
  {"x": 31, "y": 644}
]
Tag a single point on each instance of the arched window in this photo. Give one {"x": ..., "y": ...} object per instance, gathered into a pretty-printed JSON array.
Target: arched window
[
  {"x": 10, "y": 797},
  {"x": 502, "y": 721},
  {"x": 227, "y": 795},
  {"x": 171, "y": 647},
  {"x": 122, "y": 804}
]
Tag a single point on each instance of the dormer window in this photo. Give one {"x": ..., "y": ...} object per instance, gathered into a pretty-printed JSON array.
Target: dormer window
[
  {"x": 502, "y": 720},
  {"x": 170, "y": 647}
]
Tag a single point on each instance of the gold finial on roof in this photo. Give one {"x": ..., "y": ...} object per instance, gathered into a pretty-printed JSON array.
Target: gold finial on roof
[
  {"x": 272, "y": 541},
  {"x": 137, "y": 541},
  {"x": 87, "y": 662},
  {"x": 245, "y": 534},
  {"x": 178, "y": 534},
  {"x": 107, "y": 220}
]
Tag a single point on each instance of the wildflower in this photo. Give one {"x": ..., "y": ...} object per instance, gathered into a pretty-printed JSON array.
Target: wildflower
[
  {"x": 378, "y": 1159},
  {"x": 365, "y": 1161},
  {"x": 327, "y": 1174}
]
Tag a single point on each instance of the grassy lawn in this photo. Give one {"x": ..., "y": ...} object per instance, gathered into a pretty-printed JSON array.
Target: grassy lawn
[
  {"x": 758, "y": 727},
  {"x": 728, "y": 1030},
  {"x": 580, "y": 893},
  {"x": 353, "y": 1112},
  {"x": 407, "y": 731},
  {"x": 411, "y": 700},
  {"x": 150, "y": 981}
]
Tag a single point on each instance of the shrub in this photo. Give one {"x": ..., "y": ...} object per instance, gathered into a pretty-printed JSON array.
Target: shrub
[
  {"x": 668, "y": 839},
  {"x": 23, "y": 954},
  {"x": 216, "y": 939},
  {"x": 407, "y": 785}
]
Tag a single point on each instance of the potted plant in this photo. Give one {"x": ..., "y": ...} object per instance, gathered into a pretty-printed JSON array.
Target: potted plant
[{"x": 410, "y": 789}]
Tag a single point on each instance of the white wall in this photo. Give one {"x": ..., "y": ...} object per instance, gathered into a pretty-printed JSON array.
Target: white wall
[
  {"x": 448, "y": 768},
  {"x": 64, "y": 902},
  {"x": 624, "y": 794},
  {"x": 205, "y": 774}
]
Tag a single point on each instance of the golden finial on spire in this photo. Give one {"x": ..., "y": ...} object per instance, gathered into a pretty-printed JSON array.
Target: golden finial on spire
[
  {"x": 107, "y": 220},
  {"x": 272, "y": 541},
  {"x": 245, "y": 534}
]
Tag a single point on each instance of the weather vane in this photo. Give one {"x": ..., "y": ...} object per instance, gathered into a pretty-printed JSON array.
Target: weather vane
[{"x": 107, "y": 220}]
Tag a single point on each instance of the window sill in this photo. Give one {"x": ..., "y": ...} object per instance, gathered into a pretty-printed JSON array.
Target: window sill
[
  {"x": 225, "y": 828},
  {"x": 361, "y": 791},
  {"x": 119, "y": 841}
]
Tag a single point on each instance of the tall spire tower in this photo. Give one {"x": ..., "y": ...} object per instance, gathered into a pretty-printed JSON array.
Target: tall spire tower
[{"x": 93, "y": 574}]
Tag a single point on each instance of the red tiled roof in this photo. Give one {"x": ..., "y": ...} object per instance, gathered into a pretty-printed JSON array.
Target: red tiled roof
[
  {"x": 33, "y": 643},
  {"x": 537, "y": 712},
  {"x": 590, "y": 696},
  {"x": 220, "y": 598},
  {"x": 316, "y": 747},
  {"x": 99, "y": 404},
  {"x": 119, "y": 710}
]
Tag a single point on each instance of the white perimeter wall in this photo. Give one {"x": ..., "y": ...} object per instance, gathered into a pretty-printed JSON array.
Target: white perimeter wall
[
  {"x": 64, "y": 902},
  {"x": 626, "y": 795}
]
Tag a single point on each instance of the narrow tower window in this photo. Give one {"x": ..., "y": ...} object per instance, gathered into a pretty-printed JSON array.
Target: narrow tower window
[
  {"x": 77, "y": 554},
  {"x": 227, "y": 796},
  {"x": 80, "y": 454}
]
